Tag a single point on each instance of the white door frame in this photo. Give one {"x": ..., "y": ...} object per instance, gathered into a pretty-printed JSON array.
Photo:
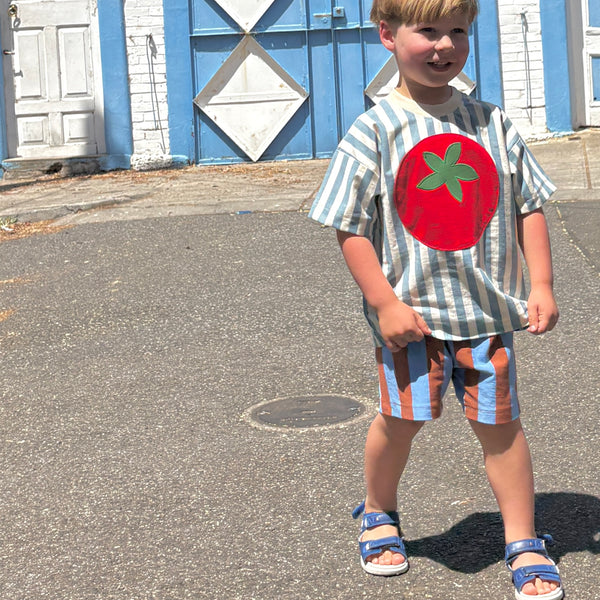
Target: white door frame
[{"x": 582, "y": 41}]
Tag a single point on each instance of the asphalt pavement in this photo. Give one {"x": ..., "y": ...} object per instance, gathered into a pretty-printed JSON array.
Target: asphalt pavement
[{"x": 144, "y": 340}]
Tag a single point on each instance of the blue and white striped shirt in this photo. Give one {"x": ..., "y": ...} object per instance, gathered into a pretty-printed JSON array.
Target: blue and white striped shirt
[{"x": 462, "y": 294}]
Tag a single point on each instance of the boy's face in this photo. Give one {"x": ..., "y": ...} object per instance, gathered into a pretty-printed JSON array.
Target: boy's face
[{"x": 429, "y": 55}]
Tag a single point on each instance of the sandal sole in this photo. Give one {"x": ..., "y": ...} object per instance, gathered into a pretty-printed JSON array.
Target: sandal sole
[
  {"x": 555, "y": 595},
  {"x": 384, "y": 570}
]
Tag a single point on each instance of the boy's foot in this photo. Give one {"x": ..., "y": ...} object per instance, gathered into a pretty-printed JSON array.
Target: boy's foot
[
  {"x": 387, "y": 557},
  {"x": 539, "y": 587},
  {"x": 382, "y": 550},
  {"x": 534, "y": 574}
]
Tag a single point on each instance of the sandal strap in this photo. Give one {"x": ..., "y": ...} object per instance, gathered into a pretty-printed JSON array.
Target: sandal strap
[
  {"x": 375, "y": 519},
  {"x": 358, "y": 510},
  {"x": 524, "y": 575},
  {"x": 393, "y": 543},
  {"x": 537, "y": 545},
  {"x": 371, "y": 547}
]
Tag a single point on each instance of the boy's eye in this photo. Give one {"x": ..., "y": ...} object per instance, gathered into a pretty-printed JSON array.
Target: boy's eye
[{"x": 459, "y": 30}]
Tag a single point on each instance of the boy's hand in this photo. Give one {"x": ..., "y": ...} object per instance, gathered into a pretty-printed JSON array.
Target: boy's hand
[
  {"x": 400, "y": 324},
  {"x": 542, "y": 309}
]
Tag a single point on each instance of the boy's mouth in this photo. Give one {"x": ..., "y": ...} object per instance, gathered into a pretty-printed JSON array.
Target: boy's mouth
[{"x": 440, "y": 66}]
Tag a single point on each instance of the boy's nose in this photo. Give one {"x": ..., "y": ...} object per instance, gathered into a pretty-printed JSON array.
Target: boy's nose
[{"x": 444, "y": 43}]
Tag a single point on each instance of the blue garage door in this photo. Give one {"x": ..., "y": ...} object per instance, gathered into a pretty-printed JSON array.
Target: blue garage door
[{"x": 284, "y": 79}]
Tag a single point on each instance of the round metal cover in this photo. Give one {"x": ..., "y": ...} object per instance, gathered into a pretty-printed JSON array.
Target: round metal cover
[{"x": 307, "y": 411}]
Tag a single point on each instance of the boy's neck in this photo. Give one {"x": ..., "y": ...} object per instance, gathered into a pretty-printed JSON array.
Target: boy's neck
[{"x": 425, "y": 95}]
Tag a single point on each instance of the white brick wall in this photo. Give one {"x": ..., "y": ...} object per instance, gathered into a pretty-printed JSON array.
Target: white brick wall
[
  {"x": 522, "y": 66},
  {"x": 144, "y": 34}
]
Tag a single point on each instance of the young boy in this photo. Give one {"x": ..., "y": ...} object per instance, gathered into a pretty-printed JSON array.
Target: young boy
[{"x": 432, "y": 193}]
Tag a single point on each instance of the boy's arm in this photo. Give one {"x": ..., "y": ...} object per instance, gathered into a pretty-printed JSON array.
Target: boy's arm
[
  {"x": 535, "y": 244},
  {"x": 398, "y": 322}
]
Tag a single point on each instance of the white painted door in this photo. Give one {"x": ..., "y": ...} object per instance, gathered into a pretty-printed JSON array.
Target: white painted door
[
  {"x": 52, "y": 78},
  {"x": 591, "y": 21}
]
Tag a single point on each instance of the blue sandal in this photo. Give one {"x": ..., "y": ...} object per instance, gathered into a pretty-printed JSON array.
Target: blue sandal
[
  {"x": 524, "y": 575},
  {"x": 370, "y": 548}
]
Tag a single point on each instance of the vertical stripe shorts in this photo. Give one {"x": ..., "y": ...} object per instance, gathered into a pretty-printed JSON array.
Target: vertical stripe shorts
[{"x": 414, "y": 380}]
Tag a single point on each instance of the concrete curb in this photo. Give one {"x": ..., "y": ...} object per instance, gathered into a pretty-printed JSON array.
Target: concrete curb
[{"x": 52, "y": 213}]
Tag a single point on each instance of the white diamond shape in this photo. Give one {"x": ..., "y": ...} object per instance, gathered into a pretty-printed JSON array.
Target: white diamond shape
[
  {"x": 387, "y": 79},
  {"x": 384, "y": 82},
  {"x": 245, "y": 12},
  {"x": 251, "y": 98}
]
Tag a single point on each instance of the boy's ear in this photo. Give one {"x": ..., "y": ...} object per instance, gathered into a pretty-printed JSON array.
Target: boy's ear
[{"x": 387, "y": 34}]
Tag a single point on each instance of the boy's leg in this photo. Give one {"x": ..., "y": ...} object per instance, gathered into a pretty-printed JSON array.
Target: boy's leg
[
  {"x": 411, "y": 383},
  {"x": 509, "y": 470},
  {"x": 386, "y": 453}
]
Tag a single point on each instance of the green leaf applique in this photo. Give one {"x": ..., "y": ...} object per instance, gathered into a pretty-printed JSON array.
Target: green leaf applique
[{"x": 447, "y": 171}]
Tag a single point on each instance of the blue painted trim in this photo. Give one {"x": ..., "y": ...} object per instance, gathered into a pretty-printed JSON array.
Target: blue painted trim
[
  {"x": 179, "y": 79},
  {"x": 489, "y": 68},
  {"x": 118, "y": 129},
  {"x": 3, "y": 132},
  {"x": 553, "y": 14}
]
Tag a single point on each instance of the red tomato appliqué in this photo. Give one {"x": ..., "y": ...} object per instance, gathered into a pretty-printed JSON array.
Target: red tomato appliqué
[{"x": 446, "y": 191}]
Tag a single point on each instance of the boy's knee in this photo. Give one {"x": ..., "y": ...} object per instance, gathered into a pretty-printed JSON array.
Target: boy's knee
[
  {"x": 496, "y": 438},
  {"x": 402, "y": 426},
  {"x": 496, "y": 429}
]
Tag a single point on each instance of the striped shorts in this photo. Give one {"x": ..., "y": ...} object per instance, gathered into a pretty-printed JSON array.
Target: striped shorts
[{"x": 413, "y": 381}]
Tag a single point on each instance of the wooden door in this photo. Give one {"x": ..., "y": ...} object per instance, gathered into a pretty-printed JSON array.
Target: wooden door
[{"x": 52, "y": 78}]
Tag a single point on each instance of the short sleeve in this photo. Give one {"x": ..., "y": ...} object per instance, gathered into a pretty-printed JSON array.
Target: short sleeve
[
  {"x": 531, "y": 186},
  {"x": 346, "y": 199}
]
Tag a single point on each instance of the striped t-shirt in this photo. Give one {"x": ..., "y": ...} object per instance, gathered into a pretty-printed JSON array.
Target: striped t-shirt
[{"x": 440, "y": 210}]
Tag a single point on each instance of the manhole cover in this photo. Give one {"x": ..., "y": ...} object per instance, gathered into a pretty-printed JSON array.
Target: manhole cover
[{"x": 307, "y": 411}]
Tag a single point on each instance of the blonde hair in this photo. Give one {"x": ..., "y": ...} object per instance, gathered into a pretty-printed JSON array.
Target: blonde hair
[{"x": 409, "y": 12}]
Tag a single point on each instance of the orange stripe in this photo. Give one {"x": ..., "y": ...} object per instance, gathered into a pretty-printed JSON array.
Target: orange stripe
[
  {"x": 386, "y": 407},
  {"x": 435, "y": 368},
  {"x": 464, "y": 358},
  {"x": 403, "y": 381},
  {"x": 500, "y": 362}
]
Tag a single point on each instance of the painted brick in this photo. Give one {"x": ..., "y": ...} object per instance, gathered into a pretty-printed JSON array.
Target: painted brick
[
  {"x": 144, "y": 34},
  {"x": 522, "y": 65}
]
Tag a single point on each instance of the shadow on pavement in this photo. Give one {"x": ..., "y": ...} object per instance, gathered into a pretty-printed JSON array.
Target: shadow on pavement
[{"x": 475, "y": 543}]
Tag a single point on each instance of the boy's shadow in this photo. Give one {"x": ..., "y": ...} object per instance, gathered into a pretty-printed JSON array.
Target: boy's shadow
[{"x": 477, "y": 542}]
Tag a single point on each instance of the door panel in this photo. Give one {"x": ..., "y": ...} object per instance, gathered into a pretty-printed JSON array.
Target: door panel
[
  {"x": 51, "y": 93},
  {"x": 349, "y": 75},
  {"x": 30, "y": 58},
  {"x": 596, "y": 79},
  {"x": 323, "y": 97},
  {"x": 594, "y": 12},
  {"x": 592, "y": 61},
  {"x": 76, "y": 75}
]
